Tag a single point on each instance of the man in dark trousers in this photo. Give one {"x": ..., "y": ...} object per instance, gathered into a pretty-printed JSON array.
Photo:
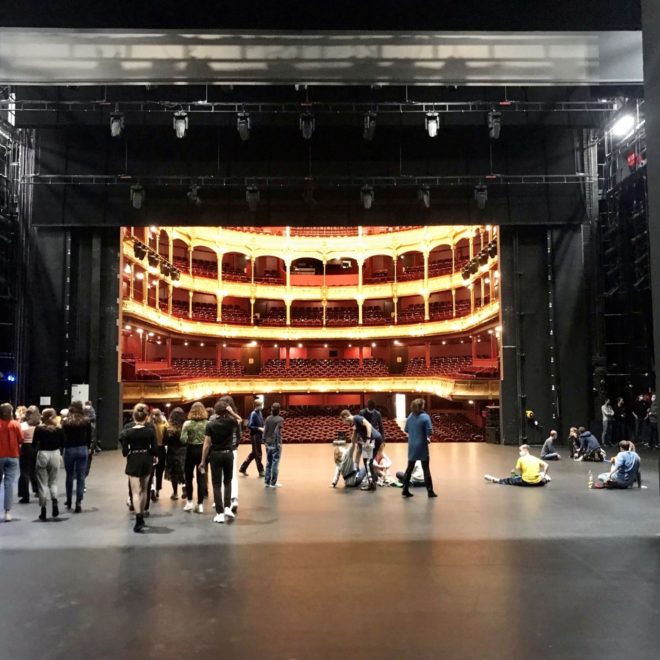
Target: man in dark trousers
[
  {"x": 373, "y": 416},
  {"x": 256, "y": 429}
]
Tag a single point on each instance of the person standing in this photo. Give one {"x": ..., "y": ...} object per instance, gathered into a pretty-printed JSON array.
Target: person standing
[
  {"x": 419, "y": 430},
  {"x": 11, "y": 438},
  {"x": 49, "y": 444},
  {"x": 640, "y": 408},
  {"x": 256, "y": 429},
  {"x": 652, "y": 420},
  {"x": 77, "y": 443},
  {"x": 192, "y": 435},
  {"x": 218, "y": 449},
  {"x": 373, "y": 416},
  {"x": 90, "y": 413},
  {"x": 233, "y": 412},
  {"x": 160, "y": 426},
  {"x": 28, "y": 459},
  {"x": 608, "y": 421},
  {"x": 176, "y": 452},
  {"x": 273, "y": 441},
  {"x": 139, "y": 448}
]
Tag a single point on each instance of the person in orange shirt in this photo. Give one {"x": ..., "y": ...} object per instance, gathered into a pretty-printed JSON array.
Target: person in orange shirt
[
  {"x": 11, "y": 439},
  {"x": 530, "y": 471}
]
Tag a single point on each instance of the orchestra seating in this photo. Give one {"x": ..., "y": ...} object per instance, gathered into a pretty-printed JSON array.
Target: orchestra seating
[
  {"x": 454, "y": 427},
  {"x": 333, "y": 368}
]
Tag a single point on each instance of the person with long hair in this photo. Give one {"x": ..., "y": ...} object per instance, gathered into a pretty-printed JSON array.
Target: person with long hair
[
  {"x": 218, "y": 443},
  {"x": 160, "y": 426},
  {"x": 49, "y": 444},
  {"x": 28, "y": 457},
  {"x": 233, "y": 412},
  {"x": 192, "y": 435},
  {"x": 77, "y": 443},
  {"x": 419, "y": 430},
  {"x": 139, "y": 448},
  {"x": 176, "y": 452},
  {"x": 11, "y": 438}
]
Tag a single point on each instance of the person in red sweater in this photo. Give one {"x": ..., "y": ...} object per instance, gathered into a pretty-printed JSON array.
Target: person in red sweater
[{"x": 11, "y": 438}]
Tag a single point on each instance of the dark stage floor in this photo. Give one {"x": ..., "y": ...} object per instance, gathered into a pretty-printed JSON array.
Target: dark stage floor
[{"x": 484, "y": 571}]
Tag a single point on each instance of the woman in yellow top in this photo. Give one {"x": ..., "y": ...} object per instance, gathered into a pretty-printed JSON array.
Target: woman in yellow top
[{"x": 531, "y": 471}]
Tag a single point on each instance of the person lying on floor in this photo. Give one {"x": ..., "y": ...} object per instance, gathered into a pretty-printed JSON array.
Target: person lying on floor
[
  {"x": 417, "y": 478},
  {"x": 590, "y": 449},
  {"x": 625, "y": 468},
  {"x": 346, "y": 468},
  {"x": 531, "y": 471}
]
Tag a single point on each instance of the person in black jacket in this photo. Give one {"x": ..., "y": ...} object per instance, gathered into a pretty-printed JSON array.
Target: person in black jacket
[
  {"x": 77, "y": 443},
  {"x": 139, "y": 448},
  {"x": 233, "y": 412},
  {"x": 256, "y": 428}
]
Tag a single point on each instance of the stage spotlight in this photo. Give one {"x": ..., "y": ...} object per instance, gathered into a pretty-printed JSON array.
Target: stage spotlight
[
  {"x": 432, "y": 123},
  {"x": 153, "y": 259},
  {"x": 243, "y": 125},
  {"x": 175, "y": 274},
  {"x": 494, "y": 124},
  {"x": 624, "y": 125},
  {"x": 369, "y": 126},
  {"x": 165, "y": 269},
  {"x": 424, "y": 196},
  {"x": 252, "y": 197},
  {"x": 180, "y": 123},
  {"x": 137, "y": 196},
  {"x": 474, "y": 266},
  {"x": 481, "y": 196},
  {"x": 116, "y": 123},
  {"x": 139, "y": 250},
  {"x": 465, "y": 272},
  {"x": 367, "y": 196},
  {"x": 492, "y": 249},
  {"x": 483, "y": 257},
  {"x": 193, "y": 195},
  {"x": 307, "y": 125}
]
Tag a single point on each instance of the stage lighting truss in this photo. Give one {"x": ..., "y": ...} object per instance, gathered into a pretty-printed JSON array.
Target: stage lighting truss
[
  {"x": 494, "y": 124},
  {"x": 153, "y": 259},
  {"x": 307, "y": 124},
  {"x": 369, "y": 126},
  {"x": 432, "y": 123},
  {"x": 367, "y": 197},
  {"x": 180, "y": 123},
  {"x": 139, "y": 249},
  {"x": 252, "y": 197},
  {"x": 137, "y": 196},
  {"x": 243, "y": 125}
]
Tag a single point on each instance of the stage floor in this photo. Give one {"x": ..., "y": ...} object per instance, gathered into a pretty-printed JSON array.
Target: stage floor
[{"x": 483, "y": 571}]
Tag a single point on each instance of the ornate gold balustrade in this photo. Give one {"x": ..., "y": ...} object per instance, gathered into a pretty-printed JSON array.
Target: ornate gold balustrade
[
  {"x": 164, "y": 322},
  {"x": 194, "y": 390}
]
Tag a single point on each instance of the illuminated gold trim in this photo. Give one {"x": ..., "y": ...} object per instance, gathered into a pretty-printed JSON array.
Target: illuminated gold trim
[
  {"x": 182, "y": 326},
  {"x": 201, "y": 389}
]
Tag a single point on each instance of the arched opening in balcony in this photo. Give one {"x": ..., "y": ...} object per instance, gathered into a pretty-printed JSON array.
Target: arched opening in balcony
[
  {"x": 440, "y": 261},
  {"x": 461, "y": 253},
  {"x": 163, "y": 244},
  {"x": 306, "y": 313},
  {"x": 235, "y": 267},
  {"x": 342, "y": 313},
  {"x": 180, "y": 303},
  {"x": 410, "y": 266},
  {"x": 269, "y": 270},
  {"x": 306, "y": 271},
  {"x": 440, "y": 306},
  {"x": 269, "y": 312},
  {"x": 378, "y": 269},
  {"x": 204, "y": 262},
  {"x": 180, "y": 256},
  {"x": 236, "y": 311},
  {"x": 378, "y": 311},
  {"x": 411, "y": 309}
]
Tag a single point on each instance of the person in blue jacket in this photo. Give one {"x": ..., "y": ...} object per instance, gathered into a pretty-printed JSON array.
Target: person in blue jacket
[{"x": 419, "y": 430}]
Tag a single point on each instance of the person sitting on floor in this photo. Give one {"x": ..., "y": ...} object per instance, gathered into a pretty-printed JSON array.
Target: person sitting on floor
[
  {"x": 625, "y": 468},
  {"x": 548, "y": 451},
  {"x": 346, "y": 468},
  {"x": 417, "y": 478},
  {"x": 590, "y": 449},
  {"x": 531, "y": 471},
  {"x": 574, "y": 441},
  {"x": 382, "y": 465}
]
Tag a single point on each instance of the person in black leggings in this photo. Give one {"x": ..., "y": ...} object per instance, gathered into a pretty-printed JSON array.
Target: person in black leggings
[
  {"x": 218, "y": 443},
  {"x": 192, "y": 435}
]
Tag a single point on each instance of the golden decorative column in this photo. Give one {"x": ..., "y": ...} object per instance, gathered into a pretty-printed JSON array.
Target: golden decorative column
[{"x": 190, "y": 299}]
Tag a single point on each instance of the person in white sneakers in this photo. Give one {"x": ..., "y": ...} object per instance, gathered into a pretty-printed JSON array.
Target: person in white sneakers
[
  {"x": 233, "y": 412},
  {"x": 192, "y": 435},
  {"x": 218, "y": 441}
]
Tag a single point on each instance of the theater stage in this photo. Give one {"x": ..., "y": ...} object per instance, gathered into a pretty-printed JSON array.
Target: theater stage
[{"x": 483, "y": 571}]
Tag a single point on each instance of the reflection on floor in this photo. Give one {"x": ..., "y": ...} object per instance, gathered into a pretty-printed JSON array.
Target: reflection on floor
[{"x": 484, "y": 571}]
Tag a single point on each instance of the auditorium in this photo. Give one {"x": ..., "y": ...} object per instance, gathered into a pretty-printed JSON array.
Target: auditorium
[{"x": 293, "y": 293}]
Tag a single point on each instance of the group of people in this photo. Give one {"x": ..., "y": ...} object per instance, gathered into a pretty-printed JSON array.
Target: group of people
[
  {"x": 638, "y": 421},
  {"x": 183, "y": 447},
  {"x": 35, "y": 444}
]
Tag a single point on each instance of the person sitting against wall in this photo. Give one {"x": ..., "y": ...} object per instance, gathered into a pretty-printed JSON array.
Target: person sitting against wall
[
  {"x": 590, "y": 449},
  {"x": 548, "y": 451},
  {"x": 529, "y": 471},
  {"x": 625, "y": 468}
]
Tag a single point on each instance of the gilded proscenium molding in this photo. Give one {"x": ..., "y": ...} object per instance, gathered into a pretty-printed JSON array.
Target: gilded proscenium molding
[
  {"x": 188, "y": 327},
  {"x": 458, "y": 390},
  {"x": 253, "y": 244}
]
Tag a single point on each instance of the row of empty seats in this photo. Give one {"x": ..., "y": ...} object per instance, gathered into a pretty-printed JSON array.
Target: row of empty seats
[
  {"x": 207, "y": 368},
  {"x": 454, "y": 427},
  {"x": 332, "y": 368}
]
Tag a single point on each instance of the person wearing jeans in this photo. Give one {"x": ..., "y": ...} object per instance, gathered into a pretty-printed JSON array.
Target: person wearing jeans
[
  {"x": 48, "y": 442},
  {"x": 273, "y": 441},
  {"x": 11, "y": 438},
  {"x": 256, "y": 429},
  {"x": 77, "y": 443}
]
